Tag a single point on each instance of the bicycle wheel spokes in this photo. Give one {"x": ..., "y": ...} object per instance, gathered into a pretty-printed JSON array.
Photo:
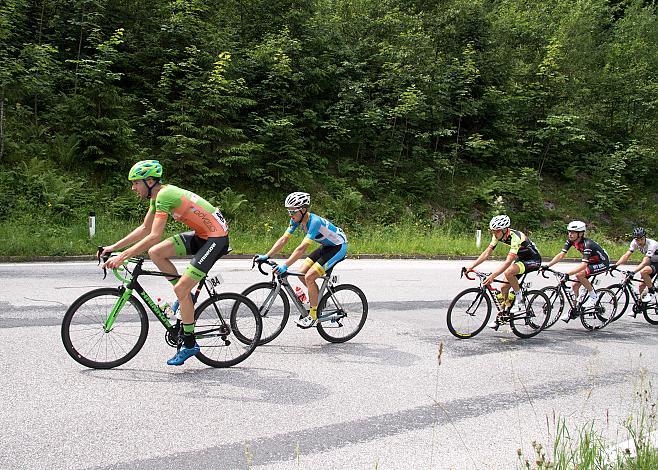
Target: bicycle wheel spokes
[
  {"x": 85, "y": 338},
  {"x": 344, "y": 310},
  {"x": 623, "y": 299},
  {"x": 557, "y": 304},
  {"x": 228, "y": 328},
  {"x": 274, "y": 309},
  {"x": 532, "y": 321},
  {"x": 602, "y": 313},
  {"x": 468, "y": 313}
]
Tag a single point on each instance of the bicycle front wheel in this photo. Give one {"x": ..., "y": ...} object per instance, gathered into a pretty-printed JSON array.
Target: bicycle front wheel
[
  {"x": 603, "y": 312},
  {"x": 556, "y": 298},
  {"x": 345, "y": 309},
  {"x": 274, "y": 309},
  {"x": 228, "y": 328},
  {"x": 468, "y": 313},
  {"x": 83, "y": 329},
  {"x": 623, "y": 299},
  {"x": 651, "y": 313},
  {"x": 537, "y": 312}
]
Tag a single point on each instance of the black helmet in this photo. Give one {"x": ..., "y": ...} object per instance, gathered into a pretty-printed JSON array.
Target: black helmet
[{"x": 639, "y": 232}]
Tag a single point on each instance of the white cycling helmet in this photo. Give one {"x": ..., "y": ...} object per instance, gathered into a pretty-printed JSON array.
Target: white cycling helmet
[
  {"x": 298, "y": 200},
  {"x": 576, "y": 226},
  {"x": 499, "y": 222}
]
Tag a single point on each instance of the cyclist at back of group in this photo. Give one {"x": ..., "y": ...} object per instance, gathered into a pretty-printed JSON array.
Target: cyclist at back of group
[
  {"x": 523, "y": 257},
  {"x": 207, "y": 241},
  {"x": 333, "y": 248},
  {"x": 595, "y": 261},
  {"x": 649, "y": 265}
]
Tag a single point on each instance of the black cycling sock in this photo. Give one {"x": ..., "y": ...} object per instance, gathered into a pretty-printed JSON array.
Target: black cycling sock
[{"x": 189, "y": 340}]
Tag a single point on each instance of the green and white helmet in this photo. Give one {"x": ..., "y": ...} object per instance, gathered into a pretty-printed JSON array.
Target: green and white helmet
[{"x": 145, "y": 169}]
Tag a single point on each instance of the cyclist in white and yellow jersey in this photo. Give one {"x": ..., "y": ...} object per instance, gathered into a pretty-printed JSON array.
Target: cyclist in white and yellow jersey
[
  {"x": 333, "y": 248},
  {"x": 649, "y": 265},
  {"x": 523, "y": 257}
]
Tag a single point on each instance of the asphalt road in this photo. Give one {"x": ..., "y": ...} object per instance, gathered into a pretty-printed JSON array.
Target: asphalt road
[{"x": 384, "y": 400}]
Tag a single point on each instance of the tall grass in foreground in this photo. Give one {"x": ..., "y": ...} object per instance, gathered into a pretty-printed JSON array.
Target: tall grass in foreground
[{"x": 587, "y": 449}]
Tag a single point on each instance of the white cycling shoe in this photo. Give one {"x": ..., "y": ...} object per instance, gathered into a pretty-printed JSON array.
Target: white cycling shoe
[
  {"x": 305, "y": 322},
  {"x": 590, "y": 302}
]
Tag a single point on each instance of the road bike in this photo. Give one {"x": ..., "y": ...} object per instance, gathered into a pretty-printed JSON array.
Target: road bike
[
  {"x": 342, "y": 309},
  {"x": 624, "y": 293},
  {"x": 560, "y": 295},
  {"x": 470, "y": 310},
  {"x": 107, "y": 327}
]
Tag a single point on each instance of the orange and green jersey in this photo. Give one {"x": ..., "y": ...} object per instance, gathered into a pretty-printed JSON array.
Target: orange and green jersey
[{"x": 192, "y": 210}]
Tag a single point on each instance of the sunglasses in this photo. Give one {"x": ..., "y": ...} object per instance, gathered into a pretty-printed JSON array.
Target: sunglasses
[{"x": 293, "y": 211}]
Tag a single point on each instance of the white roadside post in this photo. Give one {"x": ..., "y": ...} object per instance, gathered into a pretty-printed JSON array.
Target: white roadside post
[
  {"x": 478, "y": 238},
  {"x": 92, "y": 224}
]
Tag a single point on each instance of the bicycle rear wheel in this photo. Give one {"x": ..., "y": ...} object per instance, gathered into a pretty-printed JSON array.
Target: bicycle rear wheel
[
  {"x": 556, "y": 298},
  {"x": 228, "y": 328},
  {"x": 468, "y": 313},
  {"x": 83, "y": 329},
  {"x": 538, "y": 310},
  {"x": 274, "y": 310},
  {"x": 347, "y": 307},
  {"x": 602, "y": 313},
  {"x": 651, "y": 313},
  {"x": 623, "y": 299}
]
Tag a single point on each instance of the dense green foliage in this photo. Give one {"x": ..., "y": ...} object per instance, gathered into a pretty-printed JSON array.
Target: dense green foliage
[{"x": 451, "y": 110}]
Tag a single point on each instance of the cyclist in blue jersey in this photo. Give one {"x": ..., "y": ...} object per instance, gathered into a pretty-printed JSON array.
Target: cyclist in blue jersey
[{"x": 333, "y": 248}]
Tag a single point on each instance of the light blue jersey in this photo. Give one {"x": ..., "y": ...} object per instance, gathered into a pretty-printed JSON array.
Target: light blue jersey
[{"x": 320, "y": 230}]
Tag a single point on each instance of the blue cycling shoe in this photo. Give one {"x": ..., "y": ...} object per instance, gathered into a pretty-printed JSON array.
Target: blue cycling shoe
[{"x": 183, "y": 355}]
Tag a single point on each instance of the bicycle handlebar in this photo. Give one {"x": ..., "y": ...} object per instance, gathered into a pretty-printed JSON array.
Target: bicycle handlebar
[
  {"x": 563, "y": 276},
  {"x": 481, "y": 275},
  {"x": 115, "y": 271},
  {"x": 260, "y": 263}
]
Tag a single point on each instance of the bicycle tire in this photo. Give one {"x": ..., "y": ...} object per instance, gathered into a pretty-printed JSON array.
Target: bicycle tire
[
  {"x": 531, "y": 322},
  {"x": 604, "y": 310},
  {"x": 274, "y": 317},
  {"x": 650, "y": 313},
  {"x": 228, "y": 328},
  {"x": 556, "y": 298},
  {"x": 455, "y": 314},
  {"x": 623, "y": 299},
  {"x": 90, "y": 312},
  {"x": 351, "y": 311}
]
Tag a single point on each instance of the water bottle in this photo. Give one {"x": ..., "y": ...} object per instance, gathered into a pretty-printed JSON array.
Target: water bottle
[
  {"x": 510, "y": 298},
  {"x": 165, "y": 308},
  {"x": 500, "y": 300},
  {"x": 176, "y": 309},
  {"x": 301, "y": 295}
]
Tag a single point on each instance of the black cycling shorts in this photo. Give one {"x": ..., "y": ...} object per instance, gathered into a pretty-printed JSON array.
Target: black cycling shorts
[{"x": 206, "y": 252}]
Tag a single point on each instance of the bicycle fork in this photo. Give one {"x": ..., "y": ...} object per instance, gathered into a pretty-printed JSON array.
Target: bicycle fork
[{"x": 109, "y": 322}]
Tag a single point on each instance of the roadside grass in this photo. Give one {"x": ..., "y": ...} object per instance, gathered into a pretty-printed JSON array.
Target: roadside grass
[
  {"x": 255, "y": 233},
  {"x": 586, "y": 448}
]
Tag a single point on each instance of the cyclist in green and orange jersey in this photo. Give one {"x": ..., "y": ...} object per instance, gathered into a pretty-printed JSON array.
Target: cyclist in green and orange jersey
[{"x": 207, "y": 241}]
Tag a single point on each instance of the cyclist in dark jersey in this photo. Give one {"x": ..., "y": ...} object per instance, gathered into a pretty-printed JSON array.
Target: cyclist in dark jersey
[
  {"x": 595, "y": 261},
  {"x": 207, "y": 241},
  {"x": 523, "y": 257}
]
